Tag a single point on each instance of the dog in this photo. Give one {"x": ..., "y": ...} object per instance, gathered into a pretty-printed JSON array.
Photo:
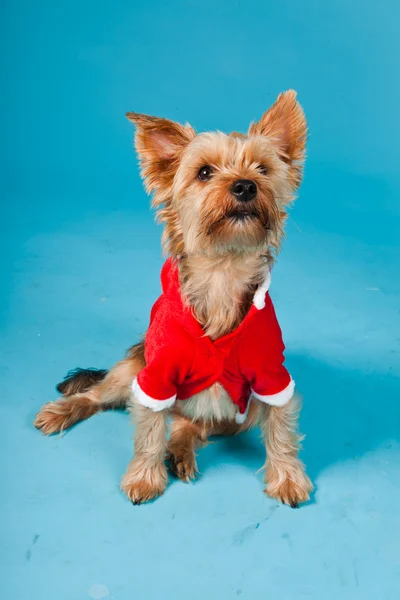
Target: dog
[{"x": 223, "y": 201}]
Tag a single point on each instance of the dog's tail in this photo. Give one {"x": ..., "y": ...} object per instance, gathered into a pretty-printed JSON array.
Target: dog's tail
[
  {"x": 80, "y": 380},
  {"x": 88, "y": 391}
]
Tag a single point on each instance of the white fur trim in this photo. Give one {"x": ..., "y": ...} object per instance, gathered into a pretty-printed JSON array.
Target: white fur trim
[
  {"x": 259, "y": 296},
  {"x": 148, "y": 401},
  {"x": 241, "y": 417},
  {"x": 278, "y": 399}
]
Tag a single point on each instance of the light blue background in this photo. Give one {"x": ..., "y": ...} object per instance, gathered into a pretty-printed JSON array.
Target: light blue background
[{"x": 79, "y": 271}]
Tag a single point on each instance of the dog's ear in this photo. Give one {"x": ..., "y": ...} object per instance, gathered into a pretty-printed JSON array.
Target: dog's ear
[
  {"x": 159, "y": 144},
  {"x": 285, "y": 124}
]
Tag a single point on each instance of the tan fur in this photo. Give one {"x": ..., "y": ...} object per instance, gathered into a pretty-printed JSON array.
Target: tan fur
[
  {"x": 54, "y": 417},
  {"x": 211, "y": 405},
  {"x": 113, "y": 392},
  {"x": 146, "y": 475},
  {"x": 284, "y": 472},
  {"x": 171, "y": 155},
  {"x": 202, "y": 207},
  {"x": 285, "y": 123},
  {"x": 220, "y": 289},
  {"x": 222, "y": 261}
]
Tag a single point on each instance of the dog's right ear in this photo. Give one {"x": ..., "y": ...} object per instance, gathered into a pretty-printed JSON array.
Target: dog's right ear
[{"x": 159, "y": 144}]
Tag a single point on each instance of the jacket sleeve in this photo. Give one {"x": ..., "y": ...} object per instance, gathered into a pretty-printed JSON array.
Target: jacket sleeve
[
  {"x": 168, "y": 359},
  {"x": 271, "y": 382},
  {"x": 156, "y": 384}
]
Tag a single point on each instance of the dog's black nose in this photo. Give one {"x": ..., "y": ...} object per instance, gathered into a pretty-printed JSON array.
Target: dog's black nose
[{"x": 244, "y": 190}]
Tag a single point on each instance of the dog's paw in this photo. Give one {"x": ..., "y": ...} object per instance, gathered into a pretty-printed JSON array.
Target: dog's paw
[
  {"x": 183, "y": 466},
  {"x": 292, "y": 487},
  {"x": 52, "y": 418},
  {"x": 142, "y": 484},
  {"x": 65, "y": 412},
  {"x": 141, "y": 491}
]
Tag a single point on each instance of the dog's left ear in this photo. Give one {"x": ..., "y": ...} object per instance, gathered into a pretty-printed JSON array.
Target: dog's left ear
[
  {"x": 159, "y": 144},
  {"x": 285, "y": 124}
]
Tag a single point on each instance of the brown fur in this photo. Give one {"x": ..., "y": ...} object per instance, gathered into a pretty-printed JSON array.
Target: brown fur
[
  {"x": 186, "y": 437},
  {"x": 224, "y": 248},
  {"x": 112, "y": 392},
  {"x": 80, "y": 380},
  {"x": 54, "y": 417}
]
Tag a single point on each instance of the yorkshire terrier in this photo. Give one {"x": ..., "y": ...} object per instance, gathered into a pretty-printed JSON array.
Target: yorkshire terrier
[{"x": 212, "y": 358}]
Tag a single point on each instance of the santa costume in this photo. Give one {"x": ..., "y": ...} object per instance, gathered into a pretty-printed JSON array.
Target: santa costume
[{"x": 182, "y": 361}]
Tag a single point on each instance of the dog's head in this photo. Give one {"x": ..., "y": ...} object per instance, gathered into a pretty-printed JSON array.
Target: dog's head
[{"x": 217, "y": 192}]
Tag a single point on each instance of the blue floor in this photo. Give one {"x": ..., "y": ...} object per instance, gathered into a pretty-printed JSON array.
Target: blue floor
[{"x": 80, "y": 267}]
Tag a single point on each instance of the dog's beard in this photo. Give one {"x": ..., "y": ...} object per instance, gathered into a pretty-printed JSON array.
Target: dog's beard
[
  {"x": 242, "y": 225},
  {"x": 242, "y": 215}
]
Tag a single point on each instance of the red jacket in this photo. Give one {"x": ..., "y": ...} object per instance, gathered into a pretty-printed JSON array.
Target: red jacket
[{"x": 181, "y": 361}]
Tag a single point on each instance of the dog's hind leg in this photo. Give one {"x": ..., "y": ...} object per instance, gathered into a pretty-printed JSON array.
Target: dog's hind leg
[
  {"x": 186, "y": 437},
  {"x": 111, "y": 392}
]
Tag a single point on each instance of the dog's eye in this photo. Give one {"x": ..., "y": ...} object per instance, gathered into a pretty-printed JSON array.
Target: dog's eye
[
  {"x": 263, "y": 169},
  {"x": 205, "y": 173}
]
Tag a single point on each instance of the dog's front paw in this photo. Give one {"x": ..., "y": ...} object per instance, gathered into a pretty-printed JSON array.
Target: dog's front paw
[
  {"x": 142, "y": 483},
  {"x": 141, "y": 491},
  {"x": 183, "y": 466},
  {"x": 290, "y": 486}
]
